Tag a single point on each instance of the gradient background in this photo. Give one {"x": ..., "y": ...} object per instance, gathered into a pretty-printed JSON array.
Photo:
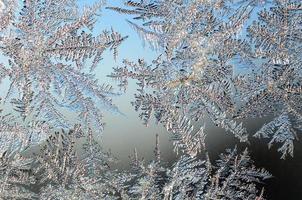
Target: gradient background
[{"x": 125, "y": 132}]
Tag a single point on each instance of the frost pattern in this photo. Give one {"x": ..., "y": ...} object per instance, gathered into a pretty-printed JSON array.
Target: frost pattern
[
  {"x": 218, "y": 61},
  {"x": 60, "y": 171},
  {"x": 51, "y": 54},
  {"x": 49, "y": 46},
  {"x": 232, "y": 177},
  {"x": 15, "y": 135}
]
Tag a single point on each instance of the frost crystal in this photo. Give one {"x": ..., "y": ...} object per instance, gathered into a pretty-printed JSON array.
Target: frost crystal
[
  {"x": 69, "y": 166},
  {"x": 220, "y": 62},
  {"x": 48, "y": 46},
  {"x": 51, "y": 52},
  {"x": 233, "y": 177}
]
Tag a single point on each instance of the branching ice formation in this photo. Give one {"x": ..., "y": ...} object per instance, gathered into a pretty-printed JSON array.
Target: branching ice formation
[
  {"x": 221, "y": 62},
  {"x": 48, "y": 45},
  {"x": 60, "y": 173},
  {"x": 51, "y": 54}
]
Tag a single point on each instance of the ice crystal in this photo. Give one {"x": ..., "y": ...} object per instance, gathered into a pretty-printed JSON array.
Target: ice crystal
[
  {"x": 233, "y": 177},
  {"x": 15, "y": 175},
  {"x": 49, "y": 46},
  {"x": 195, "y": 73},
  {"x": 51, "y": 54},
  {"x": 59, "y": 170},
  {"x": 276, "y": 88},
  {"x": 204, "y": 46},
  {"x": 16, "y": 135},
  {"x": 63, "y": 171}
]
